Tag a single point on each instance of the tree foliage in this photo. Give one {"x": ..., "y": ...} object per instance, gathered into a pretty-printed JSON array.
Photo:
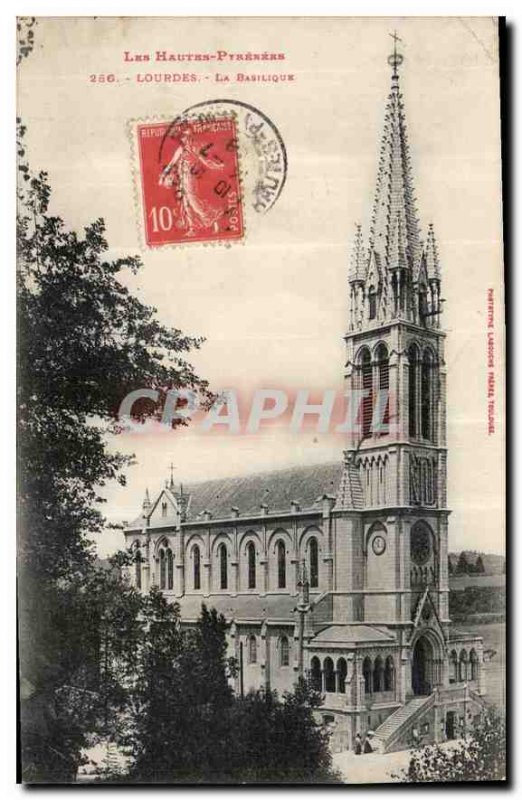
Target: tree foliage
[
  {"x": 481, "y": 756},
  {"x": 462, "y": 567},
  {"x": 473, "y": 600},
  {"x": 479, "y": 566},
  {"x": 84, "y": 342},
  {"x": 74, "y": 690},
  {"x": 187, "y": 725},
  {"x": 278, "y": 740}
]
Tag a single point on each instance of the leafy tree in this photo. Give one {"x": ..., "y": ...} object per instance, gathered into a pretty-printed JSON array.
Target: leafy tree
[
  {"x": 476, "y": 600},
  {"x": 462, "y": 567},
  {"x": 479, "y": 566},
  {"x": 84, "y": 342},
  {"x": 481, "y": 756},
  {"x": 153, "y": 736},
  {"x": 71, "y": 701},
  {"x": 188, "y": 726},
  {"x": 181, "y": 695},
  {"x": 279, "y": 740}
]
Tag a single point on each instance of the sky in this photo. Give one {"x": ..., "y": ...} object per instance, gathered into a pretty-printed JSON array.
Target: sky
[{"x": 273, "y": 308}]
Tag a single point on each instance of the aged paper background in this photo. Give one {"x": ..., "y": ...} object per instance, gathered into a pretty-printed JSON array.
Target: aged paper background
[{"x": 274, "y": 309}]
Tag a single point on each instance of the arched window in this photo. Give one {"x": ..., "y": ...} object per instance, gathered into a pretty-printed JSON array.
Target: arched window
[
  {"x": 137, "y": 568},
  {"x": 252, "y": 650},
  {"x": 223, "y": 566},
  {"x": 163, "y": 569},
  {"x": 367, "y": 388},
  {"x": 251, "y": 559},
  {"x": 430, "y": 482},
  {"x": 383, "y": 372},
  {"x": 315, "y": 674},
  {"x": 453, "y": 667},
  {"x": 463, "y": 666},
  {"x": 367, "y": 674},
  {"x": 378, "y": 675},
  {"x": 341, "y": 673},
  {"x": 284, "y": 652},
  {"x": 423, "y": 304},
  {"x": 164, "y": 509},
  {"x": 281, "y": 565},
  {"x": 372, "y": 302},
  {"x": 421, "y": 548},
  {"x": 313, "y": 555},
  {"x": 395, "y": 290},
  {"x": 329, "y": 675},
  {"x": 389, "y": 675},
  {"x": 473, "y": 658},
  {"x": 413, "y": 360},
  {"x": 196, "y": 557},
  {"x": 426, "y": 396},
  {"x": 170, "y": 569}
]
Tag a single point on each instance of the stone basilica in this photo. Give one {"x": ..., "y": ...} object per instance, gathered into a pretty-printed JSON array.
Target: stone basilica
[{"x": 340, "y": 571}]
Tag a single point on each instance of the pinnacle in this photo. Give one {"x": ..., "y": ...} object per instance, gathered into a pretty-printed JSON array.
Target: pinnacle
[
  {"x": 357, "y": 265},
  {"x": 431, "y": 254}
]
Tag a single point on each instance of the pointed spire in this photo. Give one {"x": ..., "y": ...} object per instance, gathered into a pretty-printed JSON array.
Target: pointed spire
[
  {"x": 146, "y": 501},
  {"x": 357, "y": 263},
  {"x": 431, "y": 255},
  {"x": 171, "y": 483},
  {"x": 394, "y": 195}
]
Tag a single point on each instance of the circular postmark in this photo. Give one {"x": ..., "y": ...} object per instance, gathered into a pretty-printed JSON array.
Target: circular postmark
[{"x": 261, "y": 150}]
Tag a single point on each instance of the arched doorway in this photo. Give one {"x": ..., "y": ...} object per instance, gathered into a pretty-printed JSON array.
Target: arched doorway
[
  {"x": 316, "y": 674},
  {"x": 451, "y": 725},
  {"x": 422, "y": 667}
]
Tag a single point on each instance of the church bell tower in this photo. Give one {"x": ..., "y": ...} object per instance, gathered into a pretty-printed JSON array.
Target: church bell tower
[{"x": 395, "y": 371}]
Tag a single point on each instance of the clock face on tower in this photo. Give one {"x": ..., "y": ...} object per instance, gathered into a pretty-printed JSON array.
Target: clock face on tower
[
  {"x": 379, "y": 545},
  {"x": 420, "y": 546}
]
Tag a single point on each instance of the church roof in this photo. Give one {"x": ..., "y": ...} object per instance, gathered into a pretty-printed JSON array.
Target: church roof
[
  {"x": 350, "y": 495},
  {"x": 275, "y": 489},
  {"x": 242, "y": 607},
  {"x": 350, "y": 634},
  {"x": 459, "y": 635}
]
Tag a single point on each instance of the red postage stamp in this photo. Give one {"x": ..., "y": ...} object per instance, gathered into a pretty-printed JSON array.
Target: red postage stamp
[{"x": 190, "y": 181}]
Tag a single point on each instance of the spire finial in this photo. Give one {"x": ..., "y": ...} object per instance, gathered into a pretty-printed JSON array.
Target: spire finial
[
  {"x": 171, "y": 484},
  {"x": 396, "y": 59}
]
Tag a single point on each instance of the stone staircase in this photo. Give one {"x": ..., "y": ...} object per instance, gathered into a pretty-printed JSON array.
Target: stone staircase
[{"x": 392, "y": 727}]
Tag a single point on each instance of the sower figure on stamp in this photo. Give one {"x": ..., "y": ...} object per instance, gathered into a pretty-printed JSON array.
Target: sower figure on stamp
[{"x": 188, "y": 163}]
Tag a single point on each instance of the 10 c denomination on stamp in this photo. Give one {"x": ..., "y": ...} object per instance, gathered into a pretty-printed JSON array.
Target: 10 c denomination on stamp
[{"x": 190, "y": 181}]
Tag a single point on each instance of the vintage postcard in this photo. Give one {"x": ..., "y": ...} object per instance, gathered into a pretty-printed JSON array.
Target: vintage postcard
[{"x": 261, "y": 400}]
